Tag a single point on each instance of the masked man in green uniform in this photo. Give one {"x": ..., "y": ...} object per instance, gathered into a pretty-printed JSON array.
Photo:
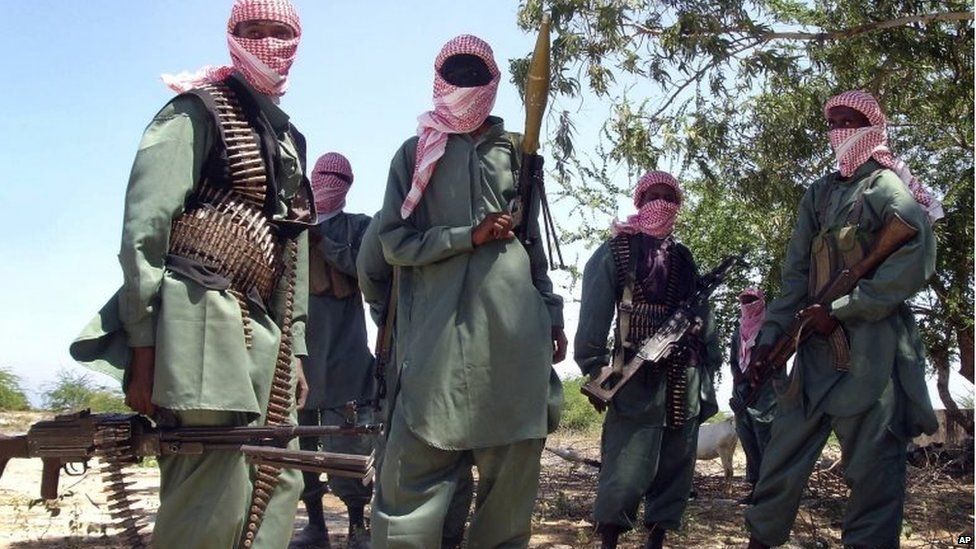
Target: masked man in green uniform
[
  {"x": 211, "y": 314},
  {"x": 650, "y": 435},
  {"x": 376, "y": 281},
  {"x": 477, "y": 321},
  {"x": 862, "y": 375},
  {"x": 339, "y": 367},
  {"x": 752, "y": 423}
]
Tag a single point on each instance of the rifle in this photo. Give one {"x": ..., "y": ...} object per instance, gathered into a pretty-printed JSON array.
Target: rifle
[
  {"x": 895, "y": 233},
  {"x": 384, "y": 339},
  {"x": 663, "y": 342},
  {"x": 530, "y": 177},
  {"x": 73, "y": 439}
]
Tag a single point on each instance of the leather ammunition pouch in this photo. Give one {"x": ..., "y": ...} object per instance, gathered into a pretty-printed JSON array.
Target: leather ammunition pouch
[
  {"x": 833, "y": 251},
  {"x": 323, "y": 278}
]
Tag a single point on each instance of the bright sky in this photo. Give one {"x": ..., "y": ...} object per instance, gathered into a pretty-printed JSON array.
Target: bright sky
[{"x": 84, "y": 82}]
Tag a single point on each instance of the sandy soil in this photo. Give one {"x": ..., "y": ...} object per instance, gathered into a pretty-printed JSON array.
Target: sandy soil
[{"x": 939, "y": 506}]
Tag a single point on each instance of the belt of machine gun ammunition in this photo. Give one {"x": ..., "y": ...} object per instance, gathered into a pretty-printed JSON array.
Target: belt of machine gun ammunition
[
  {"x": 229, "y": 232},
  {"x": 647, "y": 317},
  {"x": 279, "y": 403},
  {"x": 114, "y": 451}
]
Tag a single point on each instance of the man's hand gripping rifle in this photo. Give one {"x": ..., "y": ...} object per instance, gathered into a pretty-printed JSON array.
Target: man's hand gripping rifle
[
  {"x": 665, "y": 340},
  {"x": 70, "y": 441},
  {"x": 764, "y": 365}
]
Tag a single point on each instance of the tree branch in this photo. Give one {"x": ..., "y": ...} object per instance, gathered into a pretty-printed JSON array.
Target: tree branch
[
  {"x": 698, "y": 75},
  {"x": 839, "y": 34}
]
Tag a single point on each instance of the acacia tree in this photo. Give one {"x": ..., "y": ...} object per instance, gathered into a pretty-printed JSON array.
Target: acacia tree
[{"x": 730, "y": 92}]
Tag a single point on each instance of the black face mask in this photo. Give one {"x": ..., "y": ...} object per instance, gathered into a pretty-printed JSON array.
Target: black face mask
[{"x": 465, "y": 71}]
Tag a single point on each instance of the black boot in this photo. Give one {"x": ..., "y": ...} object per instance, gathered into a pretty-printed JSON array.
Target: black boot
[
  {"x": 655, "y": 537},
  {"x": 315, "y": 534},
  {"x": 358, "y": 535},
  {"x": 609, "y": 533},
  {"x": 756, "y": 544}
]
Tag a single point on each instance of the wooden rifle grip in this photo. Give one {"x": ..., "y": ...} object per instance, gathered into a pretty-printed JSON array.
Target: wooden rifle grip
[{"x": 50, "y": 477}]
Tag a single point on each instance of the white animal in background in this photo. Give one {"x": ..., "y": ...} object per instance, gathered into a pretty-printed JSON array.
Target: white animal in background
[{"x": 718, "y": 440}]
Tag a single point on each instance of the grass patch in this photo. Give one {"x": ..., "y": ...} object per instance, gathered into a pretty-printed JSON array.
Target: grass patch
[{"x": 578, "y": 414}]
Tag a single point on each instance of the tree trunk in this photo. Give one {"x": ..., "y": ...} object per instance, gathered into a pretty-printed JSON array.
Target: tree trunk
[
  {"x": 965, "y": 339},
  {"x": 953, "y": 415}
]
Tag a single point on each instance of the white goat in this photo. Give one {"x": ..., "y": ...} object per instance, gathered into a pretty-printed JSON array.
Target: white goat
[{"x": 718, "y": 440}]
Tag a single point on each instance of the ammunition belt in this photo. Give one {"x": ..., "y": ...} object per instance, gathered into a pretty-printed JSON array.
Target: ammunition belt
[
  {"x": 248, "y": 174},
  {"x": 647, "y": 317},
  {"x": 226, "y": 230},
  {"x": 113, "y": 441},
  {"x": 266, "y": 476},
  {"x": 232, "y": 238}
]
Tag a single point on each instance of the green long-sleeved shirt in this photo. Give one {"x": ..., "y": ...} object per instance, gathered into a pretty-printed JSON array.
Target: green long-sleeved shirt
[
  {"x": 375, "y": 274},
  {"x": 339, "y": 367},
  {"x": 881, "y": 329},
  {"x": 201, "y": 359},
  {"x": 473, "y": 323}
]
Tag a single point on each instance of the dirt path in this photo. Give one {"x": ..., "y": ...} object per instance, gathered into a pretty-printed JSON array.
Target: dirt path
[{"x": 939, "y": 507}]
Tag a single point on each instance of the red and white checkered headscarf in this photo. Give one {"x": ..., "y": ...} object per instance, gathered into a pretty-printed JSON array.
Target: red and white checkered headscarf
[
  {"x": 854, "y": 146},
  {"x": 456, "y": 110},
  {"x": 264, "y": 62},
  {"x": 751, "y": 317},
  {"x": 655, "y": 218},
  {"x": 331, "y": 179}
]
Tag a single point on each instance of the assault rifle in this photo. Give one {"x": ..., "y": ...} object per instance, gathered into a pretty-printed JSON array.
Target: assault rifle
[
  {"x": 69, "y": 441},
  {"x": 890, "y": 239},
  {"x": 665, "y": 340},
  {"x": 384, "y": 340}
]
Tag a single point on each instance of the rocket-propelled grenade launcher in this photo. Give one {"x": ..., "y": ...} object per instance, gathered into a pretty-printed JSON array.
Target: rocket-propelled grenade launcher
[{"x": 530, "y": 199}]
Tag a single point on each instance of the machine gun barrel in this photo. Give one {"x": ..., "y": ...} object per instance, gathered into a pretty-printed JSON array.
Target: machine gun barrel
[{"x": 76, "y": 438}]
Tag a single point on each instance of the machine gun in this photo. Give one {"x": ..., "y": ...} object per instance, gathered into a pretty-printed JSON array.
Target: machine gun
[
  {"x": 665, "y": 340},
  {"x": 69, "y": 442},
  {"x": 895, "y": 233}
]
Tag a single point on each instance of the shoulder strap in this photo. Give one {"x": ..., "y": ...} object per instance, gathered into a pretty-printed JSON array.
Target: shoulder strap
[
  {"x": 626, "y": 276},
  {"x": 820, "y": 207},
  {"x": 515, "y": 140}
]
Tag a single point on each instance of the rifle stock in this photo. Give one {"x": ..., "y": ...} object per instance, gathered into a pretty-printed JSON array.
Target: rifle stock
[{"x": 895, "y": 234}]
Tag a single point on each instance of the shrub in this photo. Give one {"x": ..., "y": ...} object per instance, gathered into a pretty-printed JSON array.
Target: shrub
[
  {"x": 12, "y": 397},
  {"x": 578, "y": 413},
  {"x": 77, "y": 391}
]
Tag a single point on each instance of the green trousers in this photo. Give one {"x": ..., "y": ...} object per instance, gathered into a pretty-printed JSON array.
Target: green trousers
[
  {"x": 457, "y": 510},
  {"x": 874, "y": 470},
  {"x": 203, "y": 499},
  {"x": 417, "y": 483},
  {"x": 656, "y": 464},
  {"x": 754, "y": 436},
  {"x": 352, "y": 492}
]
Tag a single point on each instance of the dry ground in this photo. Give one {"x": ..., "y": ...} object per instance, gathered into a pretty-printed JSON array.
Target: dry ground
[{"x": 939, "y": 507}]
